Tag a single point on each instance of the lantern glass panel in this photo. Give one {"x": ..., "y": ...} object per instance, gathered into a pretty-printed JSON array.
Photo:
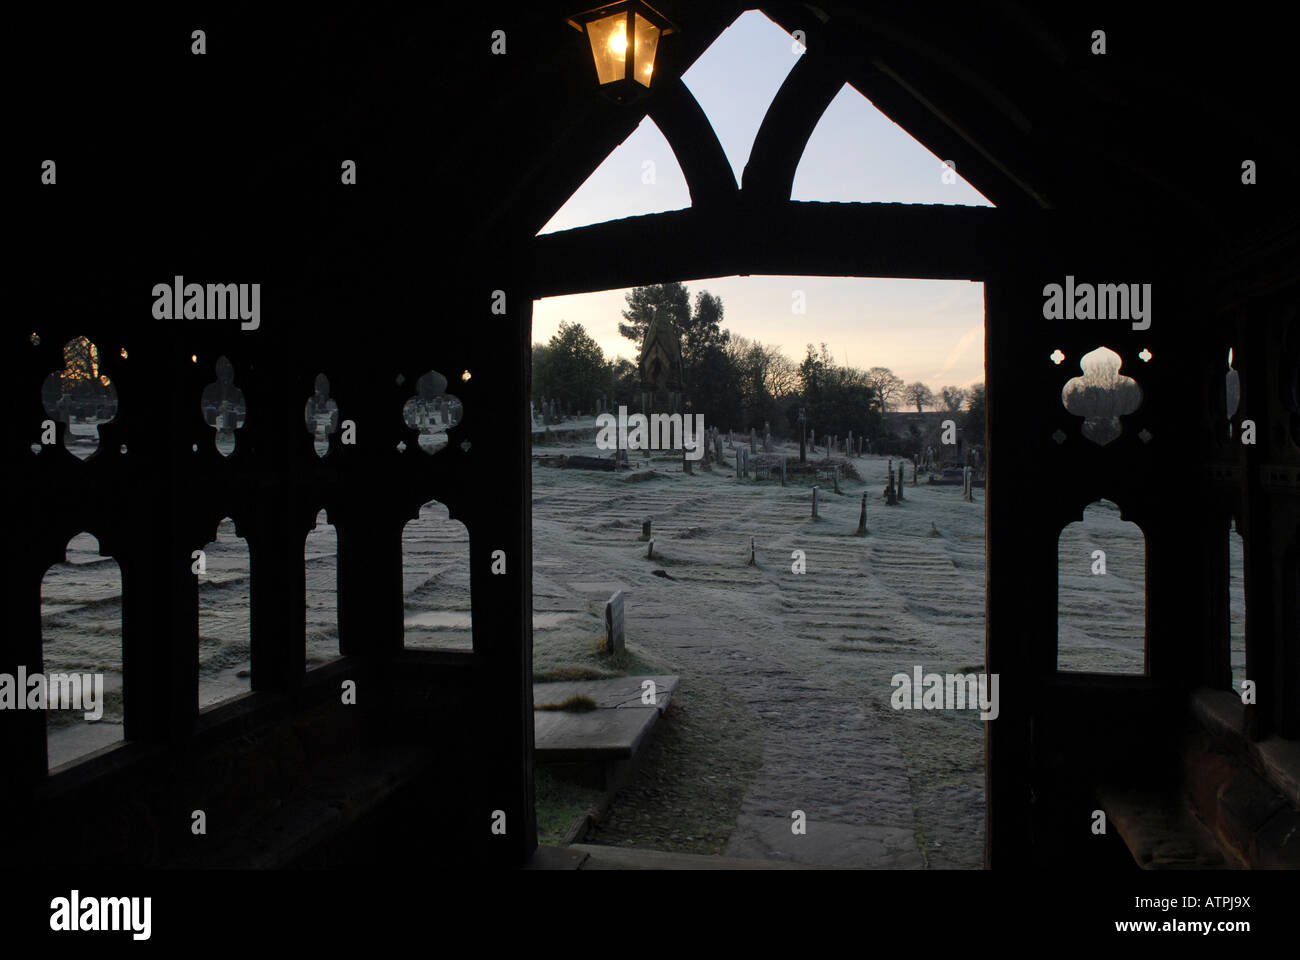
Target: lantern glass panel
[
  {"x": 647, "y": 40},
  {"x": 608, "y": 37}
]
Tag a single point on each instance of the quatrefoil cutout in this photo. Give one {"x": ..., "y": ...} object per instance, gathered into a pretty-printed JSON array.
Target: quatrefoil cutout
[
  {"x": 321, "y": 415},
  {"x": 1101, "y": 396},
  {"x": 81, "y": 396},
  {"x": 432, "y": 411},
  {"x": 223, "y": 406}
]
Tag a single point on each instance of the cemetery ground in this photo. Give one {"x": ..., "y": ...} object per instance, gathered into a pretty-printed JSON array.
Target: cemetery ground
[
  {"x": 785, "y": 678},
  {"x": 784, "y": 701}
]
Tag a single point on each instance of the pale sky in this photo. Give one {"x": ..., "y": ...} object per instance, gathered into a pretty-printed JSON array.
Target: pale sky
[{"x": 928, "y": 330}]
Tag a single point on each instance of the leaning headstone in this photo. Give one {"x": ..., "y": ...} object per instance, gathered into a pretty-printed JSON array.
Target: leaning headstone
[
  {"x": 814, "y": 512},
  {"x": 614, "y": 632},
  {"x": 862, "y": 518},
  {"x": 645, "y": 529}
]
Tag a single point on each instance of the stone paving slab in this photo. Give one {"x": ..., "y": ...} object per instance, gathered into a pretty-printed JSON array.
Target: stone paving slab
[
  {"x": 615, "y": 731},
  {"x": 617, "y": 693},
  {"x": 825, "y": 844},
  {"x": 563, "y": 737}
]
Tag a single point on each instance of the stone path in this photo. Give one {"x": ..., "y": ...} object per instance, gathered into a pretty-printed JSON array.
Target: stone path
[{"x": 812, "y": 654}]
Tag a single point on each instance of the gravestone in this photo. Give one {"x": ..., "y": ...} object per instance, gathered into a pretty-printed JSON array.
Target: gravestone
[
  {"x": 900, "y": 480},
  {"x": 835, "y": 478},
  {"x": 751, "y": 552},
  {"x": 645, "y": 529},
  {"x": 783, "y": 471},
  {"x": 891, "y": 499},
  {"x": 650, "y": 549},
  {"x": 850, "y": 443},
  {"x": 614, "y": 632},
  {"x": 814, "y": 508},
  {"x": 862, "y": 518}
]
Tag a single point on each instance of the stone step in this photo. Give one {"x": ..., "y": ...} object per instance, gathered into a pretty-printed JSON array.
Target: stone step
[{"x": 590, "y": 856}]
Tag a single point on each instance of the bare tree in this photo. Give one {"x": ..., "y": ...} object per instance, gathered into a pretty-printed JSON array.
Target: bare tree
[
  {"x": 782, "y": 375},
  {"x": 918, "y": 393},
  {"x": 953, "y": 398},
  {"x": 886, "y": 385}
]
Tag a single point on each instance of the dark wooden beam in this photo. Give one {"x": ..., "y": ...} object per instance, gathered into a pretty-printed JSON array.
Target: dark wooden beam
[
  {"x": 818, "y": 239},
  {"x": 880, "y": 63},
  {"x": 681, "y": 120},
  {"x": 779, "y": 144}
]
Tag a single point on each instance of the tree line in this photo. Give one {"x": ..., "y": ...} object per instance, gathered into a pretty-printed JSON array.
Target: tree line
[{"x": 734, "y": 381}]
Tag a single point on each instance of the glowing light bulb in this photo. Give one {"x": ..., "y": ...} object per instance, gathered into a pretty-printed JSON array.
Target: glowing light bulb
[{"x": 618, "y": 41}]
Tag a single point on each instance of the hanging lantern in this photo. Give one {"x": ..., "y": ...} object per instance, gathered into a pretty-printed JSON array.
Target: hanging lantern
[{"x": 624, "y": 38}]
